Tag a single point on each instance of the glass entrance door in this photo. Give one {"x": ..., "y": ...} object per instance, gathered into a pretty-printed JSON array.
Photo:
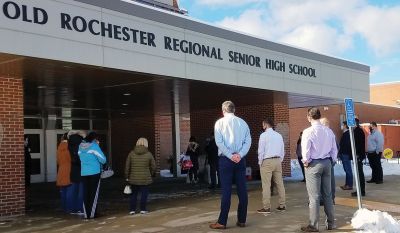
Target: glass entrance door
[{"x": 36, "y": 145}]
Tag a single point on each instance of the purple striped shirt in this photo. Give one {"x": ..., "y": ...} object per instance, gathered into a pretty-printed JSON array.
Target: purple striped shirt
[{"x": 318, "y": 142}]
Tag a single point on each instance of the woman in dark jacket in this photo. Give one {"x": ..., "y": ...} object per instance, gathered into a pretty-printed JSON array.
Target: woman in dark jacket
[
  {"x": 74, "y": 140},
  {"x": 140, "y": 167},
  {"x": 193, "y": 151}
]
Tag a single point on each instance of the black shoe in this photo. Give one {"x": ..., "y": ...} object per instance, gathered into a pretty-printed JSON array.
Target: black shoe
[
  {"x": 371, "y": 181},
  {"x": 239, "y": 224},
  {"x": 354, "y": 194},
  {"x": 281, "y": 208},
  {"x": 379, "y": 182}
]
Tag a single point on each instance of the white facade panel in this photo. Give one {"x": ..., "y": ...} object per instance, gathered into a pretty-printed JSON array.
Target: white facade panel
[{"x": 141, "y": 45}]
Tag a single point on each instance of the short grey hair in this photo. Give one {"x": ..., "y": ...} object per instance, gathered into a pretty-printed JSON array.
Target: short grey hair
[{"x": 228, "y": 107}]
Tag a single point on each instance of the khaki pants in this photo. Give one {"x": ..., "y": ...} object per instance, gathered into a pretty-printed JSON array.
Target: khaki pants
[{"x": 272, "y": 168}]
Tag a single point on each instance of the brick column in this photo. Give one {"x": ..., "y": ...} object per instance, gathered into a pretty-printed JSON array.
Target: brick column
[{"x": 12, "y": 172}]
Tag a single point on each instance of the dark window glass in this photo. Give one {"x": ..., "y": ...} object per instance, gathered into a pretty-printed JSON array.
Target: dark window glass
[
  {"x": 80, "y": 124},
  {"x": 32, "y": 123},
  {"x": 35, "y": 169},
  {"x": 100, "y": 124},
  {"x": 103, "y": 142},
  {"x": 34, "y": 142}
]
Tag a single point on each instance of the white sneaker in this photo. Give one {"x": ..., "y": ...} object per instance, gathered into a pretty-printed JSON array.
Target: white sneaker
[
  {"x": 144, "y": 212},
  {"x": 132, "y": 212}
]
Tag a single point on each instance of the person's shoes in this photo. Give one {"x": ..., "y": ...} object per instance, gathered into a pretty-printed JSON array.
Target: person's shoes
[
  {"x": 144, "y": 212},
  {"x": 330, "y": 227},
  {"x": 217, "y": 226},
  {"x": 346, "y": 187},
  {"x": 239, "y": 224},
  {"x": 379, "y": 182},
  {"x": 370, "y": 181},
  {"x": 264, "y": 211},
  {"x": 309, "y": 229},
  {"x": 132, "y": 213},
  {"x": 354, "y": 194},
  {"x": 281, "y": 208}
]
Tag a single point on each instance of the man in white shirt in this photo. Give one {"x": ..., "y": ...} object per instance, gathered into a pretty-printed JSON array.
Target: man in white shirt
[{"x": 271, "y": 151}]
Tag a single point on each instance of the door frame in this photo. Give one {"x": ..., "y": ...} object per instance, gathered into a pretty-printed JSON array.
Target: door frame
[{"x": 38, "y": 178}]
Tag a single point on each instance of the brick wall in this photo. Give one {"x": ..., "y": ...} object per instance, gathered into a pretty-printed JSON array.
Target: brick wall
[
  {"x": 366, "y": 113},
  {"x": 12, "y": 178},
  {"x": 202, "y": 124}
]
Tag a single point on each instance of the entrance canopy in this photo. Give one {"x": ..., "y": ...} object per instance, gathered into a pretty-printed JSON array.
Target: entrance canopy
[{"x": 132, "y": 37}]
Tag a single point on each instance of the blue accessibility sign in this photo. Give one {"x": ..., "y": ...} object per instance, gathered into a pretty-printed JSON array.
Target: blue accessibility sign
[{"x": 350, "y": 115}]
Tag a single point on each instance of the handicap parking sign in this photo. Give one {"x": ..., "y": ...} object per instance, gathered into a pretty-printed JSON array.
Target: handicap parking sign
[{"x": 350, "y": 115}]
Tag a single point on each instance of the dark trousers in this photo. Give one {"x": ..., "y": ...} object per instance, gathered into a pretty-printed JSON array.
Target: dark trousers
[
  {"x": 91, "y": 187},
  {"x": 361, "y": 176},
  {"x": 229, "y": 170},
  {"x": 302, "y": 168},
  {"x": 193, "y": 176},
  {"x": 144, "y": 190},
  {"x": 376, "y": 166},
  {"x": 76, "y": 197},
  {"x": 213, "y": 173}
]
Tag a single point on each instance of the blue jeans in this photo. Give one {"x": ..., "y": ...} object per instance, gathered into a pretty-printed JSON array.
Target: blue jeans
[
  {"x": 75, "y": 197},
  {"x": 347, "y": 169},
  {"x": 65, "y": 193},
  {"x": 144, "y": 189},
  {"x": 228, "y": 171}
]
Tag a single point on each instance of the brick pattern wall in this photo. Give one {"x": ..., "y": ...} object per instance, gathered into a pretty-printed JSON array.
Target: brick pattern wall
[
  {"x": 366, "y": 113},
  {"x": 125, "y": 132},
  {"x": 202, "y": 124},
  {"x": 12, "y": 176}
]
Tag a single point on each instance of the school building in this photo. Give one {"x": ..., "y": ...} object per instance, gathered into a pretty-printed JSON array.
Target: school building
[{"x": 126, "y": 69}]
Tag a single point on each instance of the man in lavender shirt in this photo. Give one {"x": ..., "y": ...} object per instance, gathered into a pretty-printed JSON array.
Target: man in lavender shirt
[{"x": 319, "y": 151}]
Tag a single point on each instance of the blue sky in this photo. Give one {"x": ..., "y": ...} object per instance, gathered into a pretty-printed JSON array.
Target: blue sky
[{"x": 359, "y": 30}]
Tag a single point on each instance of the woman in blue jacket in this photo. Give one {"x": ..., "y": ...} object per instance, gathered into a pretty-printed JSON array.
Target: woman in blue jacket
[{"x": 92, "y": 159}]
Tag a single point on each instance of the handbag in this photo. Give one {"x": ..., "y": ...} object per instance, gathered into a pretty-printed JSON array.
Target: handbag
[
  {"x": 127, "y": 189},
  {"x": 106, "y": 172}
]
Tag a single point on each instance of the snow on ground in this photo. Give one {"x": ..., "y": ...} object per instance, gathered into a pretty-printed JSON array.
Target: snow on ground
[
  {"x": 390, "y": 167},
  {"x": 375, "y": 221}
]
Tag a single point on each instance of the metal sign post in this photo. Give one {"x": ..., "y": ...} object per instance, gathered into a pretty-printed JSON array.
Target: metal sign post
[{"x": 350, "y": 116}]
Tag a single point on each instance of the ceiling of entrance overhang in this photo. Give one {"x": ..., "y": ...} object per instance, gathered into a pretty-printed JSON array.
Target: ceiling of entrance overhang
[{"x": 82, "y": 91}]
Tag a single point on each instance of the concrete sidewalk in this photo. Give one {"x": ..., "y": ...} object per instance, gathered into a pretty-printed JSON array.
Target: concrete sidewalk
[{"x": 191, "y": 209}]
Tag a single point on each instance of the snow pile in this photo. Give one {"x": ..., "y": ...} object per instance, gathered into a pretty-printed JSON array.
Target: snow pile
[{"x": 375, "y": 221}]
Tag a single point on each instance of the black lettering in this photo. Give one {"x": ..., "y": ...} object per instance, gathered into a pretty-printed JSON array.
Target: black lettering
[
  {"x": 106, "y": 28},
  {"x": 83, "y": 24},
  {"x": 213, "y": 53},
  {"x": 90, "y": 26},
  {"x": 143, "y": 38},
  {"x": 44, "y": 17},
  {"x": 125, "y": 32},
  {"x": 257, "y": 62},
  {"x": 167, "y": 43},
  {"x": 184, "y": 46},
  {"x": 196, "y": 49},
  {"x": 205, "y": 50},
  {"x": 176, "y": 44},
  {"x": 134, "y": 35},
  {"x": 65, "y": 21},
  {"x": 150, "y": 39},
  {"x": 117, "y": 32},
  {"x": 230, "y": 56},
  {"x": 7, "y": 13},
  {"x": 291, "y": 68},
  {"x": 282, "y": 66},
  {"x": 219, "y": 55},
  {"x": 25, "y": 14}
]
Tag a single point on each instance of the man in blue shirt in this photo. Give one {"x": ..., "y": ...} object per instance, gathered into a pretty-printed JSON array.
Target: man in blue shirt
[
  {"x": 375, "y": 143},
  {"x": 232, "y": 136}
]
